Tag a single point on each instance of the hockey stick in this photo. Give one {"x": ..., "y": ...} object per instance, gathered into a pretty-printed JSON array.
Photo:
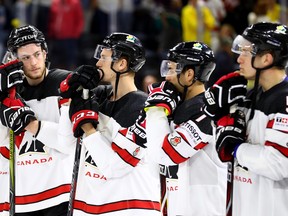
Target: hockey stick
[
  {"x": 12, "y": 94},
  {"x": 85, "y": 95},
  {"x": 230, "y": 176}
]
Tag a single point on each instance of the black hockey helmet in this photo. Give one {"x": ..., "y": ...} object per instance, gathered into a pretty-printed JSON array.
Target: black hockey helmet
[
  {"x": 266, "y": 36},
  {"x": 124, "y": 44},
  {"x": 195, "y": 54},
  {"x": 25, "y": 35}
]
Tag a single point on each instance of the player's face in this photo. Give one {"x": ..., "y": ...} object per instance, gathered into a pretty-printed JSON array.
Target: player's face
[
  {"x": 245, "y": 49},
  {"x": 104, "y": 63},
  {"x": 245, "y": 66},
  {"x": 33, "y": 58},
  {"x": 171, "y": 75}
]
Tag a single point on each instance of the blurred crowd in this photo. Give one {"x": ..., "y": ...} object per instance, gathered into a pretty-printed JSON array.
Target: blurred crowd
[{"x": 74, "y": 27}]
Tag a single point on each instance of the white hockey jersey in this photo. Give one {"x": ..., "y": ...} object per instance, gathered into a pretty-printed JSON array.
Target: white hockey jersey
[
  {"x": 116, "y": 177},
  {"x": 188, "y": 142},
  {"x": 261, "y": 167},
  {"x": 43, "y": 168},
  {"x": 4, "y": 173}
]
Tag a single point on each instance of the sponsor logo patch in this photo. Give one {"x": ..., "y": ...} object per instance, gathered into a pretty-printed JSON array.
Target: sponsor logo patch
[{"x": 281, "y": 122}]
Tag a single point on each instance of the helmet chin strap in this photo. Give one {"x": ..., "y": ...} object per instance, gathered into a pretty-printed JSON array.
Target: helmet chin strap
[
  {"x": 185, "y": 87},
  {"x": 118, "y": 74},
  {"x": 256, "y": 86}
]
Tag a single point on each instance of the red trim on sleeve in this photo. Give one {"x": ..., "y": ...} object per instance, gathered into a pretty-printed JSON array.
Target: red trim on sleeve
[
  {"x": 5, "y": 152},
  {"x": 280, "y": 148},
  {"x": 200, "y": 145},
  {"x": 171, "y": 152},
  {"x": 125, "y": 155}
]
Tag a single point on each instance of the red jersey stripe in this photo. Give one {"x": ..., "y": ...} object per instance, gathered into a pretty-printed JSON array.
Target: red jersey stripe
[
  {"x": 4, "y": 206},
  {"x": 54, "y": 192},
  {"x": 117, "y": 206}
]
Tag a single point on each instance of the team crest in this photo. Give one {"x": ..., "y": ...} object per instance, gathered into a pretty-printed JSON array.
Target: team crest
[
  {"x": 175, "y": 140},
  {"x": 130, "y": 38},
  {"x": 280, "y": 29},
  {"x": 137, "y": 150},
  {"x": 197, "y": 46}
]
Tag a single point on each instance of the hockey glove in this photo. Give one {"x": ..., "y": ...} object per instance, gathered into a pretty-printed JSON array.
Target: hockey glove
[
  {"x": 15, "y": 114},
  {"x": 163, "y": 94},
  {"x": 83, "y": 111},
  {"x": 85, "y": 76},
  {"x": 228, "y": 90},
  {"x": 230, "y": 133},
  {"x": 137, "y": 132},
  {"x": 11, "y": 74}
]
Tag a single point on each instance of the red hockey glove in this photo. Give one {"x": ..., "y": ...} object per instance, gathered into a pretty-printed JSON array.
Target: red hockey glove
[
  {"x": 11, "y": 74},
  {"x": 85, "y": 76},
  {"x": 15, "y": 114},
  {"x": 163, "y": 94},
  {"x": 231, "y": 132},
  {"x": 228, "y": 90},
  {"x": 83, "y": 111}
]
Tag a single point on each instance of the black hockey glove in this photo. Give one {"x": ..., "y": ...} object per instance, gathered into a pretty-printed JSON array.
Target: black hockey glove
[
  {"x": 137, "y": 132},
  {"x": 85, "y": 76},
  {"x": 83, "y": 111},
  {"x": 163, "y": 94},
  {"x": 230, "y": 133},
  {"x": 228, "y": 90},
  {"x": 11, "y": 74},
  {"x": 15, "y": 114}
]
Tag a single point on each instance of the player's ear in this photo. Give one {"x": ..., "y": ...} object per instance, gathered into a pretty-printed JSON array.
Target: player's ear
[
  {"x": 189, "y": 75},
  {"x": 123, "y": 64}
]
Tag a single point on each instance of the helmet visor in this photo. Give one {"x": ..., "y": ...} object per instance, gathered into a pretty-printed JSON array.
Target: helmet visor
[
  {"x": 244, "y": 47},
  {"x": 105, "y": 53},
  {"x": 169, "y": 68}
]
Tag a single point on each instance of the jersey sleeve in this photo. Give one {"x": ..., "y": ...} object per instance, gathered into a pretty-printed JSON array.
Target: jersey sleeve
[
  {"x": 270, "y": 158},
  {"x": 169, "y": 145},
  {"x": 114, "y": 149},
  {"x": 58, "y": 136},
  {"x": 4, "y": 142}
]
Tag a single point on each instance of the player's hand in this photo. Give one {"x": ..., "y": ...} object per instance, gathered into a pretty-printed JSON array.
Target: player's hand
[
  {"x": 83, "y": 111},
  {"x": 85, "y": 76},
  {"x": 228, "y": 90},
  {"x": 11, "y": 75},
  {"x": 230, "y": 133},
  {"x": 163, "y": 94},
  {"x": 15, "y": 114}
]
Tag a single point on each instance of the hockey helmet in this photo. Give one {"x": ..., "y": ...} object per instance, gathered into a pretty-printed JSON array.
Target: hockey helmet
[
  {"x": 262, "y": 37},
  {"x": 194, "y": 54},
  {"x": 25, "y": 35},
  {"x": 123, "y": 44}
]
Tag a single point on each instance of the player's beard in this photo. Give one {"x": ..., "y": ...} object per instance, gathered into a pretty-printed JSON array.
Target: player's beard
[{"x": 36, "y": 76}]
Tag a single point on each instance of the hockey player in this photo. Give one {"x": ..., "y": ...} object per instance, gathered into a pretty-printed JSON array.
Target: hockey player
[
  {"x": 181, "y": 134},
  {"x": 259, "y": 150},
  {"x": 115, "y": 176},
  {"x": 43, "y": 169}
]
